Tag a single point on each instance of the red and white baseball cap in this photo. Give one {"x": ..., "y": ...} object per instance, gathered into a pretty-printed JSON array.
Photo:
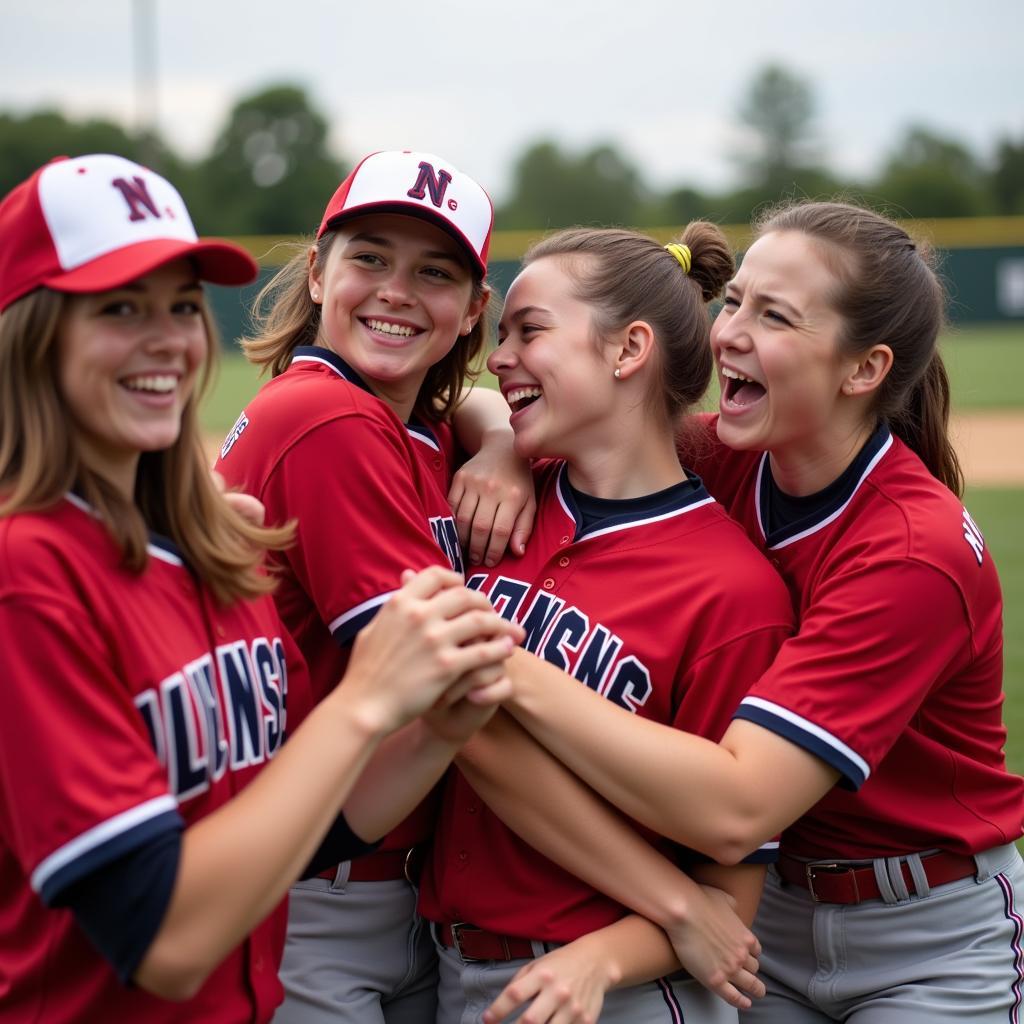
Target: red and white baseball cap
[
  {"x": 420, "y": 185},
  {"x": 96, "y": 222}
]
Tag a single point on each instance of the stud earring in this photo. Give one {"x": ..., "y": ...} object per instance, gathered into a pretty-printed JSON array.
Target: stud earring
[{"x": 618, "y": 373}]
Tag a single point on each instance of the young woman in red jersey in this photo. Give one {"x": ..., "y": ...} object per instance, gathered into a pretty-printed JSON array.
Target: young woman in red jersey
[
  {"x": 875, "y": 739},
  {"x": 603, "y": 342},
  {"x": 151, "y": 814},
  {"x": 369, "y": 334}
]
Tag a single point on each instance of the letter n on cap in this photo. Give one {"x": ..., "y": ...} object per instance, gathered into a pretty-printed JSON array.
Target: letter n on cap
[
  {"x": 137, "y": 196},
  {"x": 436, "y": 182}
]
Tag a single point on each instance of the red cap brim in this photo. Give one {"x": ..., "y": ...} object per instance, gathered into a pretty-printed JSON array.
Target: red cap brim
[
  {"x": 216, "y": 260},
  {"x": 418, "y": 211}
]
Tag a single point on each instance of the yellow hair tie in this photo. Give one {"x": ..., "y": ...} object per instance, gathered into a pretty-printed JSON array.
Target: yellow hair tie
[{"x": 681, "y": 253}]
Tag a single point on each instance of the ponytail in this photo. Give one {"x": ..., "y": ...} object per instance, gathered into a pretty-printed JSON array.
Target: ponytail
[{"x": 922, "y": 423}]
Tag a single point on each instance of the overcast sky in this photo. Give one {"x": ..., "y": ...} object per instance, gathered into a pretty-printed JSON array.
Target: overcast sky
[{"x": 477, "y": 80}]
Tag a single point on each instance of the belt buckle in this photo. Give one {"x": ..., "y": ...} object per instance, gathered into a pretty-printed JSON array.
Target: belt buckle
[
  {"x": 407, "y": 866},
  {"x": 456, "y": 929},
  {"x": 830, "y": 868}
]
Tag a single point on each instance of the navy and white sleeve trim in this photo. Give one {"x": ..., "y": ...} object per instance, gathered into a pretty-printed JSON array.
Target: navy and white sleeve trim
[
  {"x": 345, "y": 627},
  {"x": 104, "y": 842},
  {"x": 419, "y": 431},
  {"x": 766, "y": 853},
  {"x": 804, "y": 733}
]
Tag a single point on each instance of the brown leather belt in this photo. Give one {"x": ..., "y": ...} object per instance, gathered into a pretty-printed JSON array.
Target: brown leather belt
[
  {"x": 472, "y": 943},
  {"x": 835, "y": 882},
  {"x": 381, "y": 866}
]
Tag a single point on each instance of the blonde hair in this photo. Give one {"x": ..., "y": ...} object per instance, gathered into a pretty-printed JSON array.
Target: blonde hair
[
  {"x": 284, "y": 317},
  {"x": 175, "y": 495}
]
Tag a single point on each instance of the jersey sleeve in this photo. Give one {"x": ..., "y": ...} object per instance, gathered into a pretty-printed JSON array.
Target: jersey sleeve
[
  {"x": 80, "y": 784},
  {"x": 355, "y": 492},
  {"x": 717, "y": 683},
  {"x": 122, "y": 905},
  {"x": 875, "y": 640}
]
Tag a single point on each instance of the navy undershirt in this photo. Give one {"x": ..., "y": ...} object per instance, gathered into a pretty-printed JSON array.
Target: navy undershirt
[
  {"x": 781, "y": 511},
  {"x": 596, "y": 510},
  {"x": 121, "y": 905}
]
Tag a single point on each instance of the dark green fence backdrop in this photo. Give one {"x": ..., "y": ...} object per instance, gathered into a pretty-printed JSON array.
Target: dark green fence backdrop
[{"x": 982, "y": 262}]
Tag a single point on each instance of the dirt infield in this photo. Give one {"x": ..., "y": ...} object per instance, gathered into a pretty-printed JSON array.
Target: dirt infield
[{"x": 991, "y": 447}]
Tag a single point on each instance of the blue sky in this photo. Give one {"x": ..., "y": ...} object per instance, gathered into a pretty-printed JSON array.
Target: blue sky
[{"x": 477, "y": 81}]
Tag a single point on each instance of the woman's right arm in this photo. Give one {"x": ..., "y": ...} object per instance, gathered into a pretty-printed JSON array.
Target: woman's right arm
[
  {"x": 569, "y": 823},
  {"x": 424, "y": 638}
]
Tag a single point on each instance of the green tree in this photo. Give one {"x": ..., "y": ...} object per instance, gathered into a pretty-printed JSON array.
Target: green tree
[
  {"x": 781, "y": 158},
  {"x": 1007, "y": 182},
  {"x": 929, "y": 175},
  {"x": 778, "y": 112},
  {"x": 270, "y": 170},
  {"x": 553, "y": 189},
  {"x": 678, "y": 206},
  {"x": 28, "y": 141}
]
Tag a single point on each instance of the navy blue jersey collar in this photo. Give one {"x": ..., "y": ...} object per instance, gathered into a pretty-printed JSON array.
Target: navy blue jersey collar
[
  {"x": 158, "y": 546},
  {"x": 316, "y": 354},
  {"x": 828, "y": 504},
  {"x": 673, "y": 501}
]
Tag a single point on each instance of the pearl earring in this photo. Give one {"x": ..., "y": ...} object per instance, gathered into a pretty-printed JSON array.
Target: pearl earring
[{"x": 618, "y": 373}]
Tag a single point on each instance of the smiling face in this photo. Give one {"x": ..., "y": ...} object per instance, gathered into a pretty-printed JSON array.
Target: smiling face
[
  {"x": 776, "y": 345},
  {"x": 128, "y": 360},
  {"x": 557, "y": 379},
  {"x": 396, "y": 294}
]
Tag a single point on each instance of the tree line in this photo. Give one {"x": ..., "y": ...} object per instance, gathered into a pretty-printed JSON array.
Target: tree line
[{"x": 270, "y": 167}]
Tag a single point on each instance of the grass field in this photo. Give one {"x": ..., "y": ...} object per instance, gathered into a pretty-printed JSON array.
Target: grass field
[
  {"x": 986, "y": 366},
  {"x": 999, "y": 513}
]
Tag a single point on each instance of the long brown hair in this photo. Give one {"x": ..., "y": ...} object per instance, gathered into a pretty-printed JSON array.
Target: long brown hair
[
  {"x": 284, "y": 316},
  {"x": 889, "y": 293},
  {"x": 629, "y": 276},
  {"x": 40, "y": 461}
]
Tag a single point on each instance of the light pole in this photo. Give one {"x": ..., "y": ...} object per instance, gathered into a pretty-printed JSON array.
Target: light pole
[{"x": 145, "y": 53}]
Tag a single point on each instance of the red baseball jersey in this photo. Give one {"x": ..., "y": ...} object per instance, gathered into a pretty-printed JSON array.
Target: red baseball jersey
[
  {"x": 133, "y": 704},
  {"x": 365, "y": 490},
  {"x": 895, "y": 675},
  {"x": 667, "y": 610}
]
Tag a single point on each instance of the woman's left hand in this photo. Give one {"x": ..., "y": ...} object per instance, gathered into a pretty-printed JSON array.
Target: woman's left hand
[
  {"x": 493, "y": 501},
  {"x": 565, "y": 986}
]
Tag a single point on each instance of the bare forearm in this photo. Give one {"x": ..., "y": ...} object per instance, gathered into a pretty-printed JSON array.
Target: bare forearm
[
  {"x": 634, "y": 949},
  {"x": 242, "y": 858},
  {"x": 552, "y": 810},
  {"x": 483, "y": 411},
  {"x": 405, "y": 767},
  {"x": 743, "y": 883},
  {"x": 722, "y": 799}
]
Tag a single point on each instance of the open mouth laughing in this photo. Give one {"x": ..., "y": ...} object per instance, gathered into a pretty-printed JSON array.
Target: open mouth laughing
[
  {"x": 519, "y": 398},
  {"x": 738, "y": 390}
]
